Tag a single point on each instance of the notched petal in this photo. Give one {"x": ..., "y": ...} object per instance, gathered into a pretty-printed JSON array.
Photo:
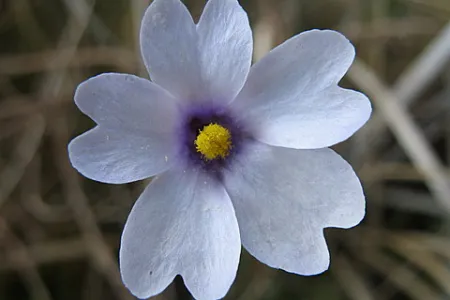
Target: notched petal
[
  {"x": 292, "y": 98},
  {"x": 113, "y": 156},
  {"x": 183, "y": 223},
  {"x": 169, "y": 46},
  {"x": 128, "y": 102},
  {"x": 284, "y": 198},
  {"x": 204, "y": 63},
  {"x": 135, "y": 136},
  {"x": 225, "y": 47}
]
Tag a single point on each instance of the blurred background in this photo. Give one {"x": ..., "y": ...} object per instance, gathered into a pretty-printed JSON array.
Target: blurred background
[{"x": 59, "y": 232}]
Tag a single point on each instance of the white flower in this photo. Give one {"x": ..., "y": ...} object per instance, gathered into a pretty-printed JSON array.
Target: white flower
[{"x": 240, "y": 153}]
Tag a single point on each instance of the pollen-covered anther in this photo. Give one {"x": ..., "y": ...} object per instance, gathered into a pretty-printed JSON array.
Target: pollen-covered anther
[{"x": 214, "y": 141}]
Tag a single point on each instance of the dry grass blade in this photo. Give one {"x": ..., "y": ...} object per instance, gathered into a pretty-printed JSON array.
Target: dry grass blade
[
  {"x": 400, "y": 275},
  {"x": 409, "y": 201},
  {"x": 85, "y": 57},
  {"x": 382, "y": 29},
  {"x": 414, "y": 80},
  {"x": 405, "y": 130},
  {"x": 23, "y": 154},
  {"x": 420, "y": 256},
  {"x": 260, "y": 284},
  {"x": 51, "y": 252},
  {"x": 440, "y": 6},
  {"x": 21, "y": 260},
  {"x": 350, "y": 280},
  {"x": 424, "y": 69},
  {"x": 438, "y": 244},
  {"x": 393, "y": 171}
]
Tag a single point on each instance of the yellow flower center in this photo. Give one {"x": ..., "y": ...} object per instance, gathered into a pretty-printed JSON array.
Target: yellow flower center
[{"x": 213, "y": 141}]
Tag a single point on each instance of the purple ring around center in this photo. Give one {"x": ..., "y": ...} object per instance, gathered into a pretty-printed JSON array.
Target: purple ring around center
[{"x": 195, "y": 118}]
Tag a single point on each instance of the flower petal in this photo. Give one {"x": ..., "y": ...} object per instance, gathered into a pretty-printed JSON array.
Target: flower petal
[
  {"x": 183, "y": 223},
  {"x": 134, "y": 139},
  {"x": 169, "y": 47},
  {"x": 226, "y": 46},
  {"x": 285, "y": 197},
  {"x": 293, "y": 97},
  {"x": 117, "y": 156},
  {"x": 204, "y": 63},
  {"x": 123, "y": 101}
]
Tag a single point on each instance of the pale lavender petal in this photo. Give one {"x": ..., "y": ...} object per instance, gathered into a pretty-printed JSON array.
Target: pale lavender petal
[
  {"x": 135, "y": 136},
  {"x": 197, "y": 64},
  {"x": 285, "y": 197},
  {"x": 118, "y": 156},
  {"x": 292, "y": 97},
  {"x": 169, "y": 46},
  {"x": 183, "y": 223},
  {"x": 226, "y": 46}
]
